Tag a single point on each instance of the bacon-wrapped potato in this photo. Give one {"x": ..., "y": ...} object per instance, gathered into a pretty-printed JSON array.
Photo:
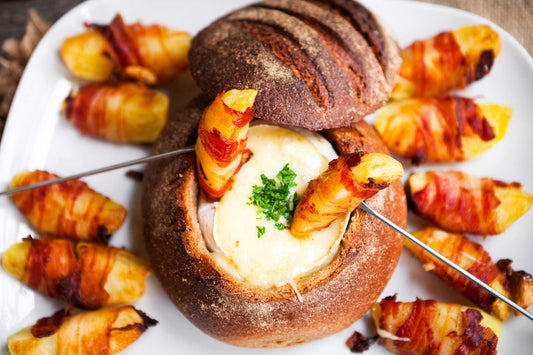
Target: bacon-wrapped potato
[
  {"x": 462, "y": 203},
  {"x": 347, "y": 181},
  {"x": 449, "y": 60},
  {"x": 70, "y": 209},
  {"x": 84, "y": 274},
  {"x": 106, "y": 331},
  {"x": 443, "y": 129},
  {"x": 153, "y": 54},
  {"x": 472, "y": 257},
  {"x": 123, "y": 113},
  {"x": 430, "y": 327},
  {"x": 221, "y": 143}
]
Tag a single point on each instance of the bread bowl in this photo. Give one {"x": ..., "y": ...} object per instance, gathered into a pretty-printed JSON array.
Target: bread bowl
[
  {"x": 315, "y": 64},
  {"x": 243, "y": 314}
]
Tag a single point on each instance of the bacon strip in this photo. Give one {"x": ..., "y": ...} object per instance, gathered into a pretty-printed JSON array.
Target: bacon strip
[
  {"x": 85, "y": 275},
  {"x": 123, "y": 113},
  {"x": 520, "y": 284},
  {"x": 429, "y": 327},
  {"x": 348, "y": 181},
  {"x": 70, "y": 209},
  {"x": 470, "y": 256},
  {"x": 449, "y": 60},
  {"x": 125, "y": 51},
  {"x": 466, "y": 204},
  {"x": 448, "y": 128},
  {"x": 358, "y": 343},
  {"x": 221, "y": 143},
  {"x": 47, "y": 326},
  {"x": 106, "y": 331}
]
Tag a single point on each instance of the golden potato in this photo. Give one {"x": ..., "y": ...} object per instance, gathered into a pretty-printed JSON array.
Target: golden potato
[
  {"x": 472, "y": 257},
  {"x": 85, "y": 56},
  {"x": 106, "y": 331},
  {"x": 123, "y": 113},
  {"x": 152, "y": 54},
  {"x": 428, "y": 326},
  {"x": 462, "y": 203},
  {"x": 70, "y": 209},
  {"x": 449, "y": 60},
  {"x": 84, "y": 274},
  {"x": 443, "y": 129}
]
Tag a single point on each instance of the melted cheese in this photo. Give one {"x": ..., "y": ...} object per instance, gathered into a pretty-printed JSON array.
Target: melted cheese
[{"x": 229, "y": 226}]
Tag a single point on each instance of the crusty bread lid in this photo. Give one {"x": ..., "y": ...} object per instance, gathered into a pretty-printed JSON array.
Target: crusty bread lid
[{"x": 316, "y": 63}]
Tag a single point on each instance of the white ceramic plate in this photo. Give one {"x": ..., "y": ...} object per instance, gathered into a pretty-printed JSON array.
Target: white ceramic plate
[{"x": 37, "y": 137}]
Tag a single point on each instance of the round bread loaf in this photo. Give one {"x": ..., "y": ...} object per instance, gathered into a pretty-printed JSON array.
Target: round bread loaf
[
  {"x": 317, "y": 63},
  {"x": 237, "y": 313}
]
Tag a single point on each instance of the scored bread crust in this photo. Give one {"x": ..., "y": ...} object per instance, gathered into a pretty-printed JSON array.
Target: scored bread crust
[
  {"x": 316, "y": 63},
  {"x": 231, "y": 311}
]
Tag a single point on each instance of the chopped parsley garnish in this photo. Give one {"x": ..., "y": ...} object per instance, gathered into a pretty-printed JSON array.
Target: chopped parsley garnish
[
  {"x": 276, "y": 199},
  {"x": 260, "y": 231}
]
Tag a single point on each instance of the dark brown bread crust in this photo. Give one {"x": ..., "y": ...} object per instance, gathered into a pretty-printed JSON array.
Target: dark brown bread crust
[
  {"x": 333, "y": 298},
  {"x": 316, "y": 63}
]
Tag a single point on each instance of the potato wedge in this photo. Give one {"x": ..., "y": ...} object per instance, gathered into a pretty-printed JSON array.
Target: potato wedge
[
  {"x": 462, "y": 203},
  {"x": 123, "y": 113},
  {"x": 152, "y": 54},
  {"x": 86, "y": 275},
  {"x": 472, "y": 257},
  {"x": 449, "y": 60},
  {"x": 85, "y": 56},
  {"x": 106, "y": 331},
  {"x": 444, "y": 129},
  {"x": 431, "y": 327},
  {"x": 69, "y": 210}
]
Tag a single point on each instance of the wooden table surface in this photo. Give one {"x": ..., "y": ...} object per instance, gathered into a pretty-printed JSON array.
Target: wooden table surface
[{"x": 14, "y": 14}]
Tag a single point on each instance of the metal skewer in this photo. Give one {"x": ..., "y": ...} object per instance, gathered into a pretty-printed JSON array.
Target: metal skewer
[
  {"x": 98, "y": 171},
  {"x": 363, "y": 206},
  {"x": 454, "y": 266}
]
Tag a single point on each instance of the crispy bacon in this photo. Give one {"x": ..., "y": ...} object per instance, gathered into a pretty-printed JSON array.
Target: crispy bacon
[
  {"x": 106, "y": 331},
  {"x": 449, "y": 60},
  {"x": 430, "y": 327},
  {"x": 121, "y": 38},
  {"x": 49, "y": 325},
  {"x": 462, "y": 203},
  {"x": 221, "y": 143},
  {"x": 472, "y": 257},
  {"x": 358, "y": 343},
  {"x": 70, "y": 209},
  {"x": 152, "y": 54},
  {"x": 448, "y": 128},
  {"x": 84, "y": 274},
  {"x": 520, "y": 284},
  {"x": 348, "y": 181},
  {"x": 122, "y": 113}
]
